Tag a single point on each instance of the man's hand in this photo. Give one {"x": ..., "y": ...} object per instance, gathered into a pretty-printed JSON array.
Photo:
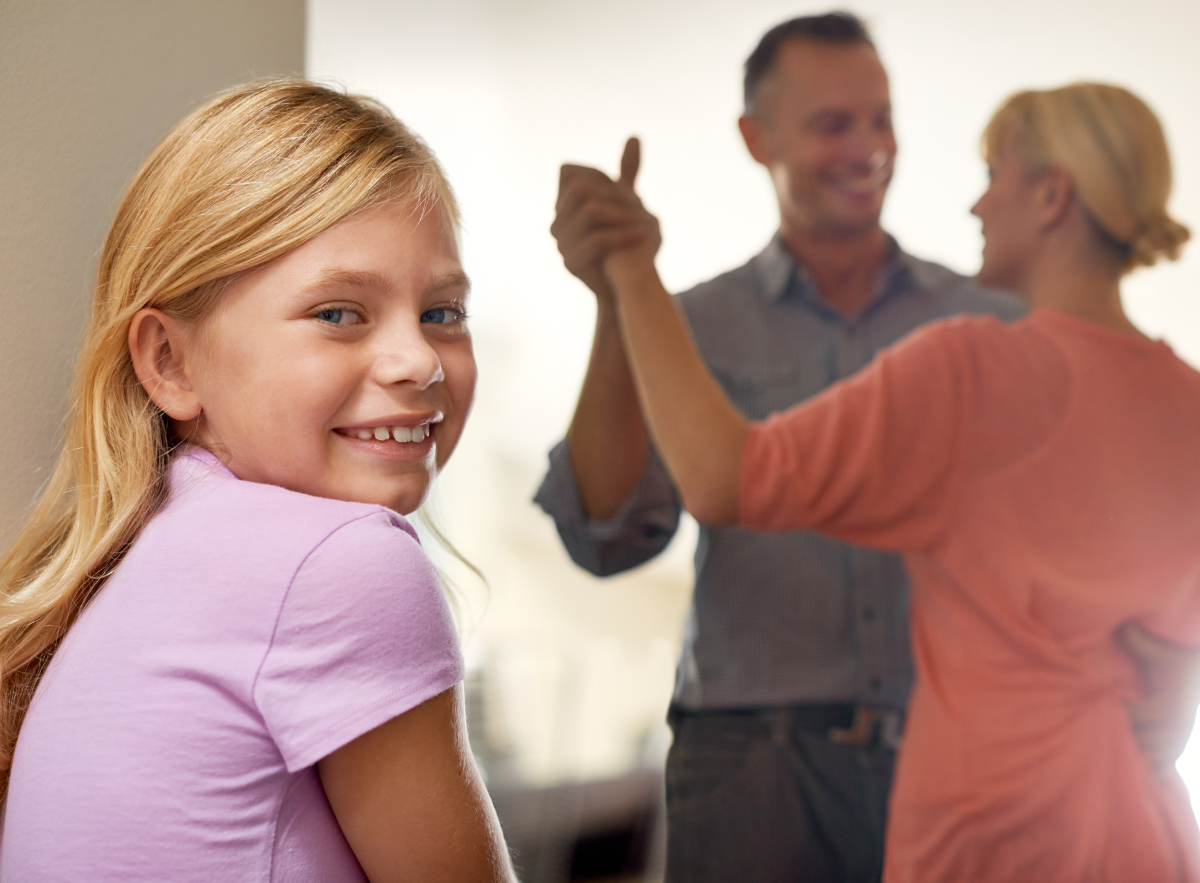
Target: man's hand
[
  {"x": 1165, "y": 714},
  {"x": 595, "y": 216},
  {"x": 607, "y": 439}
]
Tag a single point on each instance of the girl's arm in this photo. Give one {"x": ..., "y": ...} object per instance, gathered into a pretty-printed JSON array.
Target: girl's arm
[
  {"x": 698, "y": 431},
  {"x": 410, "y": 801}
]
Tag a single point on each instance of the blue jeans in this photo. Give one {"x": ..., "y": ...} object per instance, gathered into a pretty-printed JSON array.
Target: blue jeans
[{"x": 762, "y": 795}]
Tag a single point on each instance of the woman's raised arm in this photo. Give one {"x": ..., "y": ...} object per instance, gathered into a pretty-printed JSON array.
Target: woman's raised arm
[{"x": 698, "y": 431}]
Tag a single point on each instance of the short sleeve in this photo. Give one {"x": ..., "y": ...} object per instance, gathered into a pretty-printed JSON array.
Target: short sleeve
[
  {"x": 874, "y": 460},
  {"x": 364, "y": 634}
]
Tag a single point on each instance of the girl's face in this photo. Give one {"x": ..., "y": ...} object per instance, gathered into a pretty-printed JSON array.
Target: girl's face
[{"x": 342, "y": 369}]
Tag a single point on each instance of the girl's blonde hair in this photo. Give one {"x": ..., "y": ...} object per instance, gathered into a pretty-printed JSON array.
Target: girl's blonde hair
[
  {"x": 247, "y": 177},
  {"x": 1113, "y": 147}
]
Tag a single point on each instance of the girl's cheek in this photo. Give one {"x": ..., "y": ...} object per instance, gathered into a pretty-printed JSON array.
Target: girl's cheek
[{"x": 458, "y": 363}]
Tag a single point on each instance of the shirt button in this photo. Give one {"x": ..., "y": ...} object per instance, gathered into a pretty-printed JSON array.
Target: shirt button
[
  {"x": 868, "y": 614},
  {"x": 875, "y": 683}
]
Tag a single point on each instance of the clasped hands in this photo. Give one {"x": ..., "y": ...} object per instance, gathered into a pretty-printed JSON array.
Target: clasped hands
[{"x": 601, "y": 227}]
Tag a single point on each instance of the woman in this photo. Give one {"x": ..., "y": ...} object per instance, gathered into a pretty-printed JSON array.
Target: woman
[{"x": 1042, "y": 479}]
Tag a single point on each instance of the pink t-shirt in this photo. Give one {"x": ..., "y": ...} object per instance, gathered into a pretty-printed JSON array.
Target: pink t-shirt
[
  {"x": 249, "y": 632},
  {"x": 1043, "y": 480}
]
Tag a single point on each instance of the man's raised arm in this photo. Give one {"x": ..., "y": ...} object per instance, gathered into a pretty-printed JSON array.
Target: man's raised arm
[
  {"x": 698, "y": 431},
  {"x": 607, "y": 437}
]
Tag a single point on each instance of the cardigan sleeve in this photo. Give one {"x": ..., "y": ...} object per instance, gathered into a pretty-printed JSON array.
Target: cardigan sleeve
[{"x": 876, "y": 459}]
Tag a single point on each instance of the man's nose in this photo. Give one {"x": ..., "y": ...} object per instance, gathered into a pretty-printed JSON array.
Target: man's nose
[{"x": 872, "y": 147}]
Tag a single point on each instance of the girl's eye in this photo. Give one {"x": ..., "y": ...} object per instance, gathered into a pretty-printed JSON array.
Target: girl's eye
[
  {"x": 442, "y": 316},
  {"x": 338, "y": 316}
]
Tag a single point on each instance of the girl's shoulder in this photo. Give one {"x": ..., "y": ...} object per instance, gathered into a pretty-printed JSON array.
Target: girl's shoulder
[{"x": 253, "y": 527}]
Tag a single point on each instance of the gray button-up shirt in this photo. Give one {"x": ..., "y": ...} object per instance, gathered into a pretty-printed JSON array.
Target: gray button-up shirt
[{"x": 787, "y": 617}]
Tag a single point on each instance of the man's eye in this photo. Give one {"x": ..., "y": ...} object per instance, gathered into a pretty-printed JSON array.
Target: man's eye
[
  {"x": 442, "y": 316},
  {"x": 837, "y": 127},
  {"x": 338, "y": 316}
]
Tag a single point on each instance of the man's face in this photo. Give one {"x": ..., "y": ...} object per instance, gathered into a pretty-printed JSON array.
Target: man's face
[{"x": 822, "y": 125}]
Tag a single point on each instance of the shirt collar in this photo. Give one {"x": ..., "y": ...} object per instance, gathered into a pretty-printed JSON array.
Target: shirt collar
[{"x": 780, "y": 275}]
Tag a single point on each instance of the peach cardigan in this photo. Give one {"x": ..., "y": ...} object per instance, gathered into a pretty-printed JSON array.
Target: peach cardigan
[{"x": 1043, "y": 481}]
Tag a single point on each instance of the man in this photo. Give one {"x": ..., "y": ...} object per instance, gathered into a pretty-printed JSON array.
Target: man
[{"x": 795, "y": 665}]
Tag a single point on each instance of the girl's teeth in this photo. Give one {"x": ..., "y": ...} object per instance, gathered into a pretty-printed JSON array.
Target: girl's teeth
[{"x": 399, "y": 433}]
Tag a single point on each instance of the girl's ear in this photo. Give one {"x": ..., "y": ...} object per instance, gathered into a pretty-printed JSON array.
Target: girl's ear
[{"x": 157, "y": 344}]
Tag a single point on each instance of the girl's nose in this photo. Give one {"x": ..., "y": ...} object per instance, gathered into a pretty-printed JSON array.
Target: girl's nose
[{"x": 409, "y": 358}]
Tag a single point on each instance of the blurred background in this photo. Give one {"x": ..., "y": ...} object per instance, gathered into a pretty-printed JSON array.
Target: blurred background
[
  {"x": 574, "y": 673},
  {"x": 570, "y": 675}
]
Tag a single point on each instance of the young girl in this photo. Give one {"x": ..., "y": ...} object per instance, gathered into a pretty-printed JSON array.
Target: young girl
[
  {"x": 1041, "y": 477},
  {"x": 223, "y": 655}
]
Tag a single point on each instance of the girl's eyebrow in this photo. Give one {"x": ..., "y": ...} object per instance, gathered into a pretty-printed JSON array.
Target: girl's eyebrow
[
  {"x": 452, "y": 280},
  {"x": 343, "y": 277}
]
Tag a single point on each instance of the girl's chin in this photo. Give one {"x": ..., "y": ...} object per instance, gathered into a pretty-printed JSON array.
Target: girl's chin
[{"x": 404, "y": 496}]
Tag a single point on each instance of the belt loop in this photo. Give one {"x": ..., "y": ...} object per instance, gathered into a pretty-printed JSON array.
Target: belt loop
[
  {"x": 861, "y": 731},
  {"x": 892, "y": 731},
  {"x": 781, "y": 726},
  {"x": 871, "y": 726}
]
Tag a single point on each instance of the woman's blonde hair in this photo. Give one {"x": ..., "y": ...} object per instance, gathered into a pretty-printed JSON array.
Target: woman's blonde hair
[
  {"x": 1113, "y": 147},
  {"x": 247, "y": 177}
]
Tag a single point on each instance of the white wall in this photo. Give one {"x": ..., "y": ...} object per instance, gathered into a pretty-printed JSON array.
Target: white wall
[
  {"x": 506, "y": 90},
  {"x": 88, "y": 88}
]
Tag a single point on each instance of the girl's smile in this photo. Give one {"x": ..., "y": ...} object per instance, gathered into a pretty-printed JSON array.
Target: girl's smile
[
  {"x": 396, "y": 437},
  {"x": 342, "y": 369}
]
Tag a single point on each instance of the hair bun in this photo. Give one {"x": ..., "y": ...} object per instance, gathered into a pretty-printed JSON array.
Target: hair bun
[{"x": 1162, "y": 238}]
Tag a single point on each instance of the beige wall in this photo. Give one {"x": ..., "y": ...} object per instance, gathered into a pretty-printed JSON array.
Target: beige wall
[{"x": 86, "y": 89}]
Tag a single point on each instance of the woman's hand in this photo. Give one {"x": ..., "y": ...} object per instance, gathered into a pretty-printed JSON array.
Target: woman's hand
[{"x": 411, "y": 803}]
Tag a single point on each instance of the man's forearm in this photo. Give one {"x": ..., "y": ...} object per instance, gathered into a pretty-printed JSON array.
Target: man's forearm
[{"x": 607, "y": 437}]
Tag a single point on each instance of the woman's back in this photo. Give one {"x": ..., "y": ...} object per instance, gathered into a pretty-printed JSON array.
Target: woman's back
[
  {"x": 1043, "y": 479},
  {"x": 1092, "y": 520},
  {"x": 249, "y": 632}
]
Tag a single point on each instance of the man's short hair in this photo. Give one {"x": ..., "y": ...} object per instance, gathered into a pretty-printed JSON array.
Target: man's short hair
[{"x": 843, "y": 28}]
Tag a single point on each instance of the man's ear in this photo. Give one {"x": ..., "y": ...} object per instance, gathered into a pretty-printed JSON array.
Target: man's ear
[
  {"x": 754, "y": 133},
  {"x": 157, "y": 344}
]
